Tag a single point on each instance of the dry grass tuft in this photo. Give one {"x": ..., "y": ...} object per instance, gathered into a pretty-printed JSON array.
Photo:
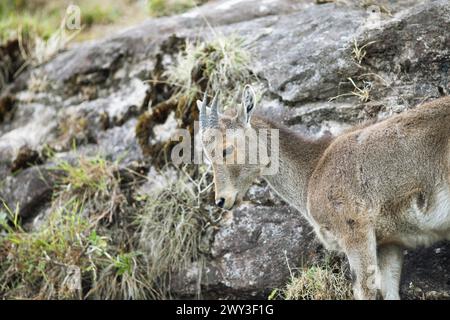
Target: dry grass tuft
[
  {"x": 363, "y": 92},
  {"x": 359, "y": 52},
  {"x": 224, "y": 63},
  {"x": 175, "y": 227},
  {"x": 324, "y": 281}
]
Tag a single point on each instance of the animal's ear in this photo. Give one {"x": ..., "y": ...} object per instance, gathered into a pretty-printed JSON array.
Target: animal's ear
[{"x": 248, "y": 104}]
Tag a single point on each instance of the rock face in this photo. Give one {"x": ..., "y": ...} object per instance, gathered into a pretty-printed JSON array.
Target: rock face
[
  {"x": 323, "y": 68},
  {"x": 256, "y": 243}
]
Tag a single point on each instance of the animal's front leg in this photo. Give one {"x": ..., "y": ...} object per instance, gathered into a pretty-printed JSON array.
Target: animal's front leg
[
  {"x": 390, "y": 259},
  {"x": 360, "y": 248}
]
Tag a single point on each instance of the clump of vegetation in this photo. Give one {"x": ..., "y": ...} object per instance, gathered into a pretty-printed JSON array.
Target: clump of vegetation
[
  {"x": 95, "y": 13},
  {"x": 363, "y": 92},
  {"x": 160, "y": 8},
  {"x": 223, "y": 63},
  {"x": 322, "y": 281},
  {"x": 99, "y": 240},
  {"x": 23, "y": 16},
  {"x": 359, "y": 52},
  {"x": 175, "y": 226},
  {"x": 37, "y": 50},
  {"x": 144, "y": 130},
  {"x": 91, "y": 181},
  {"x": 82, "y": 249},
  {"x": 64, "y": 258},
  {"x": 319, "y": 283},
  {"x": 41, "y": 18},
  {"x": 34, "y": 265}
]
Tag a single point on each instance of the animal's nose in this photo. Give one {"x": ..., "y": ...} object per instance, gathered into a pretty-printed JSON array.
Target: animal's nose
[{"x": 220, "y": 202}]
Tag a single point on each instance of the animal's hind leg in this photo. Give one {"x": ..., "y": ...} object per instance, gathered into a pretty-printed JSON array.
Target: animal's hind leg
[
  {"x": 361, "y": 250},
  {"x": 390, "y": 259}
]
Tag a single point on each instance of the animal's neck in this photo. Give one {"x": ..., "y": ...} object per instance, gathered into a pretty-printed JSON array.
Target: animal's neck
[{"x": 298, "y": 156}]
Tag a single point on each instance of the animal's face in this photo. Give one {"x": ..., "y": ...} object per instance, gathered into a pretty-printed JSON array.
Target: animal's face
[{"x": 226, "y": 143}]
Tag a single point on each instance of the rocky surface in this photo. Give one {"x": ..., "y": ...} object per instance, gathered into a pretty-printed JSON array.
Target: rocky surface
[
  {"x": 303, "y": 53},
  {"x": 257, "y": 242}
]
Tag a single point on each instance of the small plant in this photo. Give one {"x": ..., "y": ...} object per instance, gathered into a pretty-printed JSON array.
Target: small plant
[
  {"x": 124, "y": 276},
  {"x": 93, "y": 182},
  {"x": 43, "y": 49},
  {"x": 325, "y": 281},
  {"x": 358, "y": 52},
  {"x": 363, "y": 93},
  {"x": 88, "y": 176},
  {"x": 38, "y": 82},
  {"x": 223, "y": 62}
]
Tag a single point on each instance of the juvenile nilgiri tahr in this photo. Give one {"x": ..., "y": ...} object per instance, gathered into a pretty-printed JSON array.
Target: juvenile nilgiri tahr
[{"x": 369, "y": 192}]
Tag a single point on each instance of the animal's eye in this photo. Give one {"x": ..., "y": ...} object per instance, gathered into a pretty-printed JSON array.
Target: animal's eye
[{"x": 227, "y": 151}]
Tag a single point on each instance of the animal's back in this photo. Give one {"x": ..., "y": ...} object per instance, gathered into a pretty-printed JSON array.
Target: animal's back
[{"x": 394, "y": 173}]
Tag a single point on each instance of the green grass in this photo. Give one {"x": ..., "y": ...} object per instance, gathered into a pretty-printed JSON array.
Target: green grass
[
  {"x": 99, "y": 13},
  {"x": 158, "y": 8},
  {"x": 27, "y": 23},
  {"x": 95, "y": 182},
  {"x": 43, "y": 18},
  {"x": 67, "y": 252},
  {"x": 16, "y": 14},
  {"x": 39, "y": 26},
  {"x": 82, "y": 249},
  {"x": 89, "y": 176},
  {"x": 92, "y": 181},
  {"x": 34, "y": 265},
  {"x": 99, "y": 241}
]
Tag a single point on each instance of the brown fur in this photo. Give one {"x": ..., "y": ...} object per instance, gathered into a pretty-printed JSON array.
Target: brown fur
[{"x": 368, "y": 193}]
